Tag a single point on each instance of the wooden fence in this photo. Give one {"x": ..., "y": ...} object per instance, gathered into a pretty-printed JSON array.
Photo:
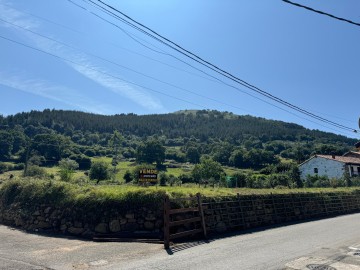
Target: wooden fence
[
  {"x": 185, "y": 221},
  {"x": 188, "y": 217}
]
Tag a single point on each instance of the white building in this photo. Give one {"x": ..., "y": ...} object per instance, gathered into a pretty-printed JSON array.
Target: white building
[{"x": 330, "y": 166}]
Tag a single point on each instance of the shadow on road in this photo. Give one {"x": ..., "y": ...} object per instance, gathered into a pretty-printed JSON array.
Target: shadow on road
[{"x": 183, "y": 246}]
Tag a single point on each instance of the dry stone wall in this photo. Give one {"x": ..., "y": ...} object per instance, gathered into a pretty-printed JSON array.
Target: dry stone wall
[{"x": 74, "y": 221}]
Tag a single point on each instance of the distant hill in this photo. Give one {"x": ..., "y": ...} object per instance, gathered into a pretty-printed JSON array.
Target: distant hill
[
  {"x": 220, "y": 135},
  {"x": 201, "y": 124}
]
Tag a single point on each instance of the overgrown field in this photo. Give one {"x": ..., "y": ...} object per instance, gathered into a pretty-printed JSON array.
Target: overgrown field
[{"x": 27, "y": 191}]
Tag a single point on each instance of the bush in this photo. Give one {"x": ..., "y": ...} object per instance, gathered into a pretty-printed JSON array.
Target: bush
[
  {"x": 19, "y": 166},
  {"x": 279, "y": 179},
  {"x": 99, "y": 171},
  {"x": 128, "y": 176},
  {"x": 163, "y": 179},
  {"x": 83, "y": 161},
  {"x": 238, "y": 180},
  {"x": 82, "y": 180},
  {"x": 186, "y": 178},
  {"x": 67, "y": 169},
  {"x": 3, "y": 167},
  {"x": 316, "y": 181},
  {"x": 35, "y": 171}
]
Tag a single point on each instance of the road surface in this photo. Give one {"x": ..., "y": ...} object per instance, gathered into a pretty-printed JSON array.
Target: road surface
[{"x": 323, "y": 244}]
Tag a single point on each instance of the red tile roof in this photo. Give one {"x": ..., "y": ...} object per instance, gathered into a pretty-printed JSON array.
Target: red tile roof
[{"x": 352, "y": 160}]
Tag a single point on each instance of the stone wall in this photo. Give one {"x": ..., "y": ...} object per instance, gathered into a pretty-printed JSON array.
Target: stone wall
[
  {"x": 74, "y": 221},
  {"x": 235, "y": 213}
]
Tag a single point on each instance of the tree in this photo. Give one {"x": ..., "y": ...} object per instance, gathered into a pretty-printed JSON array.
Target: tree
[
  {"x": 208, "y": 170},
  {"x": 6, "y": 145},
  {"x": 99, "y": 171},
  {"x": 237, "y": 158},
  {"x": 221, "y": 153},
  {"x": 67, "y": 169},
  {"x": 51, "y": 146},
  {"x": 115, "y": 143},
  {"x": 193, "y": 155},
  {"x": 151, "y": 151}
]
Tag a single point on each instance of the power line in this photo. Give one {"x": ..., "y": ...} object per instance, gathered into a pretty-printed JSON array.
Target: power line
[
  {"x": 158, "y": 79},
  {"x": 217, "y": 79},
  {"x": 186, "y": 90},
  {"x": 321, "y": 12},
  {"x": 73, "y": 62},
  {"x": 151, "y": 33}
]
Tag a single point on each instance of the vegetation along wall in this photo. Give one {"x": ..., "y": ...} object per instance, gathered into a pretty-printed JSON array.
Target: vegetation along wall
[
  {"x": 88, "y": 210},
  {"x": 84, "y": 211}
]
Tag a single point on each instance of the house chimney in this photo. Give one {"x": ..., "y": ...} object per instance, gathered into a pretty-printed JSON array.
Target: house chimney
[{"x": 333, "y": 156}]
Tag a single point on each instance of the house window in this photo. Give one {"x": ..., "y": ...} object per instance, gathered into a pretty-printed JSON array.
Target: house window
[{"x": 316, "y": 170}]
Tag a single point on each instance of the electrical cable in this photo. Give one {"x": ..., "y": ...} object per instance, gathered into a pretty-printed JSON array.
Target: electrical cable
[
  {"x": 163, "y": 81},
  {"x": 131, "y": 36},
  {"x": 180, "y": 88},
  {"x": 322, "y": 13},
  {"x": 213, "y": 67}
]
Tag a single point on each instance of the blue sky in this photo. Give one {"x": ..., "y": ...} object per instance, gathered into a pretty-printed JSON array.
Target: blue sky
[{"x": 307, "y": 59}]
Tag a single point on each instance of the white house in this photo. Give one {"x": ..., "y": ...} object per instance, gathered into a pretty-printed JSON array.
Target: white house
[{"x": 330, "y": 165}]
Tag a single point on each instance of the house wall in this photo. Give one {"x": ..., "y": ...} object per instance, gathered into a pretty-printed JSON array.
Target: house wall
[{"x": 326, "y": 167}]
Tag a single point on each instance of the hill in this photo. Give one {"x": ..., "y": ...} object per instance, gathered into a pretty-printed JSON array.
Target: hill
[{"x": 213, "y": 133}]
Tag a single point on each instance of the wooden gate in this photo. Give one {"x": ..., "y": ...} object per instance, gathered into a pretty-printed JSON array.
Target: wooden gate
[{"x": 184, "y": 221}]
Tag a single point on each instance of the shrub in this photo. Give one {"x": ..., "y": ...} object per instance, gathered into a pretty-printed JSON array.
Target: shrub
[
  {"x": 238, "y": 180},
  {"x": 90, "y": 152},
  {"x": 35, "y": 171},
  {"x": 67, "y": 168},
  {"x": 99, "y": 171},
  {"x": 83, "y": 161},
  {"x": 3, "y": 167},
  {"x": 19, "y": 166},
  {"x": 163, "y": 179},
  {"x": 186, "y": 178},
  {"x": 128, "y": 177}
]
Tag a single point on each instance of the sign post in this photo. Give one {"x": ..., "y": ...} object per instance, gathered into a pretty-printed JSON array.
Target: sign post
[{"x": 147, "y": 176}]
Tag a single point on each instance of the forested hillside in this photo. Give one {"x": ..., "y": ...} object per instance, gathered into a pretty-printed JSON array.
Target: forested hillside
[{"x": 240, "y": 141}]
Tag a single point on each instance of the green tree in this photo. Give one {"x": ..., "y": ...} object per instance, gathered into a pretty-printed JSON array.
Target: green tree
[
  {"x": 151, "y": 151},
  {"x": 208, "y": 170},
  {"x": 193, "y": 155},
  {"x": 237, "y": 158},
  {"x": 115, "y": 143},
  {"x": 67, "y": 169},
  {"x": 51, "y": 146},
  {"x": 163, "y": 179},
  {"x": 6, "y": 145},
  {"x": 99, "y": 171}
]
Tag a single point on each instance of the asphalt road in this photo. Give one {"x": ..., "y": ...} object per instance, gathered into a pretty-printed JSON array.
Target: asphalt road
[{"x": 324, "y": 244}]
